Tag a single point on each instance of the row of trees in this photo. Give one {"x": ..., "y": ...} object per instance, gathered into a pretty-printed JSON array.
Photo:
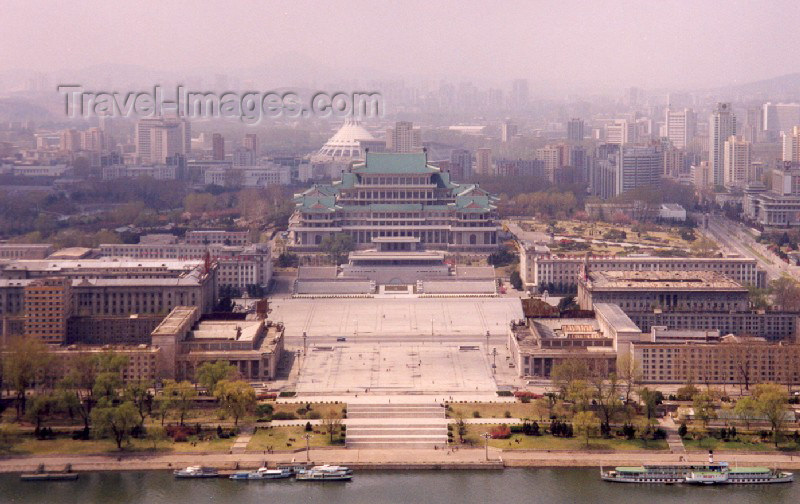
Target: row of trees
[{"x": 91, "y": 391}]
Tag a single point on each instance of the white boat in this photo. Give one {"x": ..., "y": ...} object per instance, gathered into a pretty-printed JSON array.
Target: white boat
[
  {"x": 261, "y": 474},
  {"x": 196, "y": 472},
  {"x": 712, "y": 473},
  {"x": 326, "y": 473}
]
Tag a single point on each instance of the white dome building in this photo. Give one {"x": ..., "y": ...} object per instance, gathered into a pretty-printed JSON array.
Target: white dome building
[{"x": 344, "y": 146}]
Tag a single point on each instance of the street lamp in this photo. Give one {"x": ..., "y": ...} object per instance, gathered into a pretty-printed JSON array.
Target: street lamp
[
  {"x": 487, "y": 342},
  {"x": 305, "y": 336},
  {"x": 486, "y": 437},
  {"x": 307, "y": 436}
]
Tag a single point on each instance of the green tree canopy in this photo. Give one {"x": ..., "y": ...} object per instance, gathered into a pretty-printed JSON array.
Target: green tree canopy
[
  {"x": 237, "y": 398},
  {"x": 208, "y": 374}
]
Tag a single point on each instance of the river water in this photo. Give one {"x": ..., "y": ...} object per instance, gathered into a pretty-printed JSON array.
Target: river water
[{"x": 373, "y": 487}]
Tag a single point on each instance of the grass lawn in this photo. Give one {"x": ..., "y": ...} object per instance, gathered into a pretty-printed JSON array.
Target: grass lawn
[
  {"x": 324, "y": 410},
  {"x": 739, "y": 445},
  {"x": 492, "y": 410},
  {"x": 289, "y": 438},
  {"x": 548, "y": 442}
]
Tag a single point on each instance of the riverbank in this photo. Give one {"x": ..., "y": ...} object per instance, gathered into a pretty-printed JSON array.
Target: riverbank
[{"x": 464, "y": 458}]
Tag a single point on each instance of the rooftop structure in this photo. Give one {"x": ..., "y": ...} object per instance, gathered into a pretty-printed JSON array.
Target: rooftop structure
[
  {"x": 542, "y": 270},
  {"x": 668, "y": 280},
  {"x": 539, "y": 344},
  {"x": 186, "y": 341},
  {"x": 668, "y": 291},
  {"x": 396, "y": 195},
  {"x": 344, "y": 146}
]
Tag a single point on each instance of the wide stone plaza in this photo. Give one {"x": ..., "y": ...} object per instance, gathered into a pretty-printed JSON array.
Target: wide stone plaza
[
  {"x": 395, "y": 367},
  {"x": 398, "y": 319}
]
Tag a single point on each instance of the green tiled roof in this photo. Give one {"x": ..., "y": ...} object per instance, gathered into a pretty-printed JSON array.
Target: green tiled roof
[
  {"x": 389, "y": 162},
  {"x": 312, "y": 204}
]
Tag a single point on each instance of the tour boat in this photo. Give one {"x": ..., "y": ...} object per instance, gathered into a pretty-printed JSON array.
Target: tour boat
[
  {"x": 326, "y": 473},
  {"x": 718, "y": 474},
  {"x": 712, "y": 473},
  {"x": 262, "y": 474},
  {"x": 196, "y": 472}
]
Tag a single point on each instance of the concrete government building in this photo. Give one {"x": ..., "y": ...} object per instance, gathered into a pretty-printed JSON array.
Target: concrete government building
[{"x": 396, "y": 195}]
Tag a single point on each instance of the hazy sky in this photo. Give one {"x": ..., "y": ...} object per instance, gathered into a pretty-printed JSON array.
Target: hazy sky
[{"x": 650, "y": 44}]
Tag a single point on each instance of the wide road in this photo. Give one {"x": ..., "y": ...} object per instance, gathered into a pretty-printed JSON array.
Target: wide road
[{"x": 733, "y": 237}]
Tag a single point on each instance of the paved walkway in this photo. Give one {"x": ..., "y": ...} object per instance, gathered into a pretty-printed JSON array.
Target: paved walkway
[
  {"x": 674, "y": 441},
  {"x": 366, "y": 458},
  {"x": 240, "y": 445}
]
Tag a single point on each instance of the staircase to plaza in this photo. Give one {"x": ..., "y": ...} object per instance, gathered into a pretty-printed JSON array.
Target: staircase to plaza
[{"x": 396, "y": 426}]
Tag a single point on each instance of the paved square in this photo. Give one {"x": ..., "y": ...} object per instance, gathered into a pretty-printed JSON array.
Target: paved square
[
  {"x": 395, "y": 367},
  {"x": 387, "y": 317}
]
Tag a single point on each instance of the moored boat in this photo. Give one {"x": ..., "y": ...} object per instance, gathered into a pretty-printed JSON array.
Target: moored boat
[
  {"x": 261, "y": 474},
  {"x": 325, "y": 473},
  {"x": 196, "y": 472},
  {"x": 712, "y": 473}
]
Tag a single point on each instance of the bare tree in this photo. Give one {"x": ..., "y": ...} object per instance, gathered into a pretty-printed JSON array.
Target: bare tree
[
  {"x": 629, "y": 371},
  {"x": 331, "y": 425}
]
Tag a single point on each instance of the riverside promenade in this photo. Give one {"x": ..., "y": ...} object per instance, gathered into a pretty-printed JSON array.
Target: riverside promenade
[{"x": 462, "y": 458}]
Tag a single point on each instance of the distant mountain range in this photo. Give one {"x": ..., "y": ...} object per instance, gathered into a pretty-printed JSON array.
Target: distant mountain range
[{"x": 777, "y": 88}]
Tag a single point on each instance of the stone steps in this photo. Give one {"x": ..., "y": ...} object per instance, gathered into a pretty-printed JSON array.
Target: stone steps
[
  {"x": 371, "y": 430},
  {"x": 402, "y": 426}
]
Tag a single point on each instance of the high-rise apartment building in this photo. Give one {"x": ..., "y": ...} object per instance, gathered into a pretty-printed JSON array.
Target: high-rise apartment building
[
  {"x": 460, "y": 165},
  {"x": 483, "y": 161},
  {"x": 159, "y": 138},
  {"x": 791, "y": 145},
  {"x": 217, "y": 147},
  {"x": 93, "y": 140},
  {"x": 47, "y": 304},
  {"x": 722, "y": 125},
  {"x": 753, "y": 130},
  {"x": 70, "y": 140},
  {"x": 552, "y": 158},
  {"x": 621, "y": 132},
  {"x": 403, "y": 138},
  {"x": 251, "y": 143},
  {"x": 575, "y": 130},
  {"x": 736, "y": 162},
  {"x": 674, "y": 162},
  {"x": 638, "y": 167},
  {"x": 508, "y": 131},
  {"x": 680, "y": 127}
]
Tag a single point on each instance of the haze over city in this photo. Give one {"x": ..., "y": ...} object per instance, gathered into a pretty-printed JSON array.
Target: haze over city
[
  {"x": 392, "y": 252},
  {"x": 577, "y": 46}
]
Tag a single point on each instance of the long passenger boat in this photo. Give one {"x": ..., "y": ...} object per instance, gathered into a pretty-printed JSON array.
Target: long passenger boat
[{"x": 712, "y": 473}]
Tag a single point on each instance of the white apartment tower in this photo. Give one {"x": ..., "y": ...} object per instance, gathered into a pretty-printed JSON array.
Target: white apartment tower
[
  {"x": 722, "y": 125},
  {"x": 403, "y": 138},
  {"x": 736, "y": 162},
  {"x": 681, "y": 125},
  {"x": 791, "y": 145},
  {"x": 621, "y": 132},
  {"x": 159, "y": 138}
]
